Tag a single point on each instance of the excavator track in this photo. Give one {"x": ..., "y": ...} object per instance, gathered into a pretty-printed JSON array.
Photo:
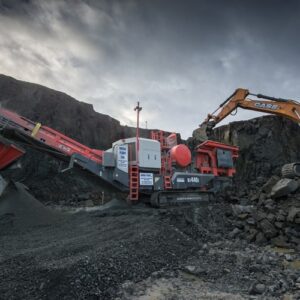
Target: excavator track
[
  {"x": 291, "y": 170},
  {"x": 164, "y": 199}
]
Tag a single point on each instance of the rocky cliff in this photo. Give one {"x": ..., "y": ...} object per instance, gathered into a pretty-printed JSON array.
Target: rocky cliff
[
  {"x": 266, "y": 143},
  {"x": 62, "y": 112}
]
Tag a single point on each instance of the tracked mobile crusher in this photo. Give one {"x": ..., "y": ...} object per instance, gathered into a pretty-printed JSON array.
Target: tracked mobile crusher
[{"x": 155, "y": 169}]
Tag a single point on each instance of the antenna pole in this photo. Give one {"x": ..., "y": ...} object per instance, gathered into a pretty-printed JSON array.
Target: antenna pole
[{"x": 138, "y": 108}]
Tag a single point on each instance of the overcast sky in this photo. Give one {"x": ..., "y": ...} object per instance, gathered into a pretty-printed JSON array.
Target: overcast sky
[{"x": 180, "y": 59}]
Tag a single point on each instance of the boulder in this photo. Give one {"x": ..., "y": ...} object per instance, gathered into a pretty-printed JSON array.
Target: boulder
[
  {"x": 284, "y": 187},
  {"x": 268, "y": 229},
  {"x": 267, "y": 187},
  {"x": 293, "y": 212}
]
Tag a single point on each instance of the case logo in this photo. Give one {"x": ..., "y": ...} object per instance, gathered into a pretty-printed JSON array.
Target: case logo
[{"x": 266, "y": 105}]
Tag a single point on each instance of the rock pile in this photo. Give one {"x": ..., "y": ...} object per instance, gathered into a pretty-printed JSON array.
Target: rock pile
[{"x": 272, "y": 214}]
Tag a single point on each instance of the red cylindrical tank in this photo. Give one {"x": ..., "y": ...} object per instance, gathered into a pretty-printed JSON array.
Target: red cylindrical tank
[{"x": 181, "y": 154}]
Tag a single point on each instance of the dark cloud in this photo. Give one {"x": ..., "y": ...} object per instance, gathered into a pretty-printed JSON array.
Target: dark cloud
[{"x": 179, "y": 58}]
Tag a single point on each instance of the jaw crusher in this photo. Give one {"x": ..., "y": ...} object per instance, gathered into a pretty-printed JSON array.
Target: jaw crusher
[{"x": 155, "y": 169}]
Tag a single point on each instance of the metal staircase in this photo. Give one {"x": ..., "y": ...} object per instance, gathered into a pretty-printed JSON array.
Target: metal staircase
[{"x": 133, "y": 183}]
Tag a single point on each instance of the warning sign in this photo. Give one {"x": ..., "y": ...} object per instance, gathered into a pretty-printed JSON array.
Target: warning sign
[
  {"x": 146, "y": 178},
  {"x": 122, "y": 162}
]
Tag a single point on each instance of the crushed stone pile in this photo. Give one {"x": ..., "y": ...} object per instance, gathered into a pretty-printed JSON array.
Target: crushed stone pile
[{"x": 20, "y": 210}]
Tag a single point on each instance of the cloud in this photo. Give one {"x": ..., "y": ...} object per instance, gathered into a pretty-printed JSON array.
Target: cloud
[{"x": 180, "y": 61}]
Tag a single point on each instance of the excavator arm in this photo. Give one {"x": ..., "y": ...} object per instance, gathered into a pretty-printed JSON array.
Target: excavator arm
[{"x": 278, "y": 106}]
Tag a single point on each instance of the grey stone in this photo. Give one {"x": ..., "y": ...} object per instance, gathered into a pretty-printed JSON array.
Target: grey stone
[
  {"x": 128, "y": 286},
  {"x": 195, "y": 270},
  {"x": 234, "y": 233},
  {"x": 295, "y": 240},
  {"x": 280, "y": 218},
  {"x": 259, "y": 215},
  {"x": 282, "y": 212},
  {"x": 271, "y": 217},
  {"x": 269, "y": 204},
  {"x": 268, "y": 229},
  {"x": 252, "y": 235},
  {"x": 257, "y": 289},
  {"x": 260, "y": 238},
  {"x": 262, "y": 197},
  {"x": 89, "y": 203},
  {"x": 267, "y": 187},
  {"x": 242, "y": 209},
  {"x": 280, "y": 241},
  {"x": 254, "y": 197},
  {"x": 284, "y": 187},
  {"x": 278, "y": 225},
  {"x": 251, "y": 221},
  {"x": 243, "y": 216},
  {"x": 291, "y": 232},
  {"x": 190, "y": 269},
  {"x": 292, "y": 213},
  {"x": 288, "y": 257}
]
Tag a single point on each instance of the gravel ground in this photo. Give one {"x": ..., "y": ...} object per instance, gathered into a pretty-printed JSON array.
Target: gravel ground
[{"x": 138, "y": 253}]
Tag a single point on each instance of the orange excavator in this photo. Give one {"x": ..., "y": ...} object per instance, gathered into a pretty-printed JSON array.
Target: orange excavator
[{"x": 278, "y": 106}]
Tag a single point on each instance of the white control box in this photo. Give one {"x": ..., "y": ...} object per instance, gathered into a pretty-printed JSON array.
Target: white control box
[{"x": 149, "y": 152}]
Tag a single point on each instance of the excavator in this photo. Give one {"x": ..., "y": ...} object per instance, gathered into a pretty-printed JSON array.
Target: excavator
[{"x": 278, "y": 106}]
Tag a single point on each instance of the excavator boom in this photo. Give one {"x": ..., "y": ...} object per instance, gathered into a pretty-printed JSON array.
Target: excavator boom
[{"x": 278, "y": 106}]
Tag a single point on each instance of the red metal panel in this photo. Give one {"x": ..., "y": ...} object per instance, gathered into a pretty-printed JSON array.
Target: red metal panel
[
  {"x": 49, "y": 136},
  {"x": 9, "y": 153},
  {"x": 206, "y": 158}
]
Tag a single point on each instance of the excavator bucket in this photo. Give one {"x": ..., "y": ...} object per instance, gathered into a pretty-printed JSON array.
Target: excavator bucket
[{"x": 200, "y": 134}]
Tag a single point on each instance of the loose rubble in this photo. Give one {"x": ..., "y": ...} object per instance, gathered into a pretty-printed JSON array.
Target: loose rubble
[
  {"x": 272, "y": 215},
  {"x": 138, "y": 252}
]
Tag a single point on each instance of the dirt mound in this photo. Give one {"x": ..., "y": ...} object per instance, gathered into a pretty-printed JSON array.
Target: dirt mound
[{"x": 20, "y": 210}]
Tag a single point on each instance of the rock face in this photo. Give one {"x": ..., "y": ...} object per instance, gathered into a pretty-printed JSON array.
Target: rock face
[
  {"x": 63, "y": 113},
  {"x": 266, "y": 143}
]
